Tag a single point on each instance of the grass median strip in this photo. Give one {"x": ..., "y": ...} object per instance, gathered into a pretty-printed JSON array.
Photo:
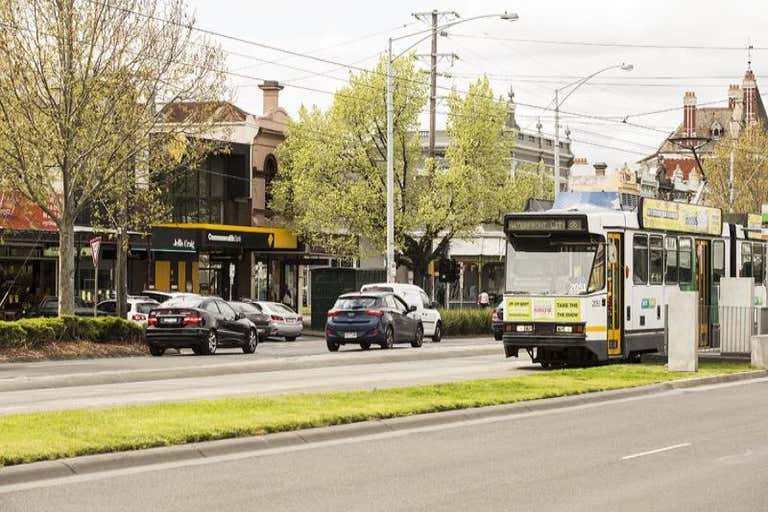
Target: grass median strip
[{"x": 51, "y": 435}]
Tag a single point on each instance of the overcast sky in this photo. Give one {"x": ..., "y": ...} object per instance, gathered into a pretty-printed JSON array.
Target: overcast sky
[{"x": 354, "y": 32}]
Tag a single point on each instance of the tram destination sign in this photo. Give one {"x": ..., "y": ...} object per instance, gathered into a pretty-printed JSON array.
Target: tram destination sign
[
  {"x": 546, "y": 224},
  {"x": 681, "y": 217}
]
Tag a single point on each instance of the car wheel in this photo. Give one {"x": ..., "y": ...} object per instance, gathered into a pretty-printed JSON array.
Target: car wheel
[
  {"x": 156, "y": 351},
  {"x": 419, "y": 339},
  {"x": 365, "y": 345},
  {"x": 211, "y": 343},
  {"x": 389, "y": 339},
  {"x": 290, "y": 338},
  {"x": 438, "y": 335},
  {"x": 332, "y": 345},
  {"x": 251, "y": 342}
]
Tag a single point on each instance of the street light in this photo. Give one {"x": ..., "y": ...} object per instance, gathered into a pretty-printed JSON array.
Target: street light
[
  {"x": 578, "y": 83},
  {"x": 390, "y": 185}
]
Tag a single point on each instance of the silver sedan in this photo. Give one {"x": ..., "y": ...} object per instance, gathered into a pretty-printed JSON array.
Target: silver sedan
[{"x": 284, "y": 322}]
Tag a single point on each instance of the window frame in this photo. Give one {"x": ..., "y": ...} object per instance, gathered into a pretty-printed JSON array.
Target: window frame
[
  {"x": 746, "y": 258},
  {"x": 667, "y": 252},
  {"x": 680, "y": 251},
  {"x": 636, "y": 280},
  {"x": 718, "y": 272},
  {"x": 660, "y": 254}
]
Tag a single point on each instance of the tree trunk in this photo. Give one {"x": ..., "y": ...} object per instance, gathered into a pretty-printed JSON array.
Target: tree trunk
[
  {"x": 67, "y": 264},
  {"x": 417, "y": 259},
  {"x": 121, "y": 274}
]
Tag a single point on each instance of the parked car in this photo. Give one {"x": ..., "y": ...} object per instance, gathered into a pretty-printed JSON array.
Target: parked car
[
  {"x": 497, "y": 319},
  {"x": 426, "y": 310},
  {"x": 201, "y": 323},
  {"x": 368, "y": 318},
  {"x": 49, "y": 306},
  {"x": 161, "y": 296},
  {"x": 283, "y": 321},
  {"x": 254, "y": 314},
  {"x": 138, "y": 308}
]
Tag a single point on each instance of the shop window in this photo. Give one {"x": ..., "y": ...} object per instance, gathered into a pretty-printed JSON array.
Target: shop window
[
  {"x": 670, "y": 256},
  {"x": 640, "y": 259},
  {"x": 656, "y": 265},
  {"x": 597, "y": 279},
  {"x": 685, "y": 256},
  {"x": 746, "y": 260},
  {"x": 758, "y": 257},
  {"x": 718, "y": 260},
  {"x": 270, "y": 171}
]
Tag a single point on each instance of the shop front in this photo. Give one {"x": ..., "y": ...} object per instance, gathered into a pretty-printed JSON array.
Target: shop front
[{"x": 222, "y": 260}]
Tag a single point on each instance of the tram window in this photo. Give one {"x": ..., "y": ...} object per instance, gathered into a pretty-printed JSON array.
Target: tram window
[
  {"x": 685, "y": 256},
  {"x": 758, "y": 253},
  {"x": 718, "y": 260},
  {"x": 597, "y": 279},
  {"x": 670, "y": 251},
  {"x": 656, "y": 266},
  {"x": 746, "y": 260},
  {"x": 640, "y": 259}
]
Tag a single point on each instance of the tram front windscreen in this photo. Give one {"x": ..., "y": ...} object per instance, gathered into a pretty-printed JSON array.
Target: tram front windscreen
[{"x": 551, "y": 266}]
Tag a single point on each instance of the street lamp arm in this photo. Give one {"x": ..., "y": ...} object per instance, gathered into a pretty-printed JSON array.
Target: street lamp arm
[
  {"x": 446, "y": 26},
  {"x": 582, "y": 81}
]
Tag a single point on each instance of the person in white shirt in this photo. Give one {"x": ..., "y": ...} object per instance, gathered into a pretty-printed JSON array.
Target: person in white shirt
[{"x": 483, "y": 300}]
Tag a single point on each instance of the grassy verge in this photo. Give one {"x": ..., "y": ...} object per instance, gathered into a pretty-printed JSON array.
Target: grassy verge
[{"x": 42, "y": 436}]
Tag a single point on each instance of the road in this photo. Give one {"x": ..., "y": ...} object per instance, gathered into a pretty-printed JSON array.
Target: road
[
  {"x": 100, "y": 383},
  {"x": 702, "y": 449}
]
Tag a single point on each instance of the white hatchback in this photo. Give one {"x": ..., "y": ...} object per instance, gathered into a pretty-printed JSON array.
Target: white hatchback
[
  {"x": 426, "y": 310},
  {"x": 138, "y": 308}
]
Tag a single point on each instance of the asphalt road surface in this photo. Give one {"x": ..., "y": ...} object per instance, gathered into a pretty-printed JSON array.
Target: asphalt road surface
[
  {"x": 702, "y": 449},
  {"x": 101, "y": 383}
]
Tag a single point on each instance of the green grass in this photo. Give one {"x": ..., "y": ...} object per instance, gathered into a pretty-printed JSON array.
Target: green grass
[{"x": 42, "y": 436}]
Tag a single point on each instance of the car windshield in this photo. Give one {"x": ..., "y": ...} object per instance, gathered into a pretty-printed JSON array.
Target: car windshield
[
  {"x": 146, "y": 307},
  {"x": 355, "y": 302},
  {"x": 377, "y": 288},
  {"x": 183, "y": 302},
  {"x": 551, "y": 267},
  {"x": 242, "y": 307}
]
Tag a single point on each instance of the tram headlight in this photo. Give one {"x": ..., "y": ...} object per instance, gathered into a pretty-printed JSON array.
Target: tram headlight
[
  {"x": 564, "y": 329},
  {"x": 524, "y": 328}
]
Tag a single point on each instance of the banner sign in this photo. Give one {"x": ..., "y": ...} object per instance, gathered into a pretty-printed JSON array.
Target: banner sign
[
  {"x": 755, "y": 229},
  {"x": 19, "y": 213},
  {"x": 542, "y": 309},
  {"x": 681, "y": 217},
  {"x": 95, "y": 246}
]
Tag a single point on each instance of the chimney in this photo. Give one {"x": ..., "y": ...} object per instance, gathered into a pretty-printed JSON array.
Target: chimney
[
  {"x": 600, "y": 168},
  {"x": 689, "y": 114},
  {"x": 734, "y": 96},
  {"x": 750, "y": 97},
  {"x": 271, "y": 90}
]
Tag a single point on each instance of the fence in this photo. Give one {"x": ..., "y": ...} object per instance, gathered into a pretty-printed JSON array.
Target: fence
[{"x": 726, "y": 330}]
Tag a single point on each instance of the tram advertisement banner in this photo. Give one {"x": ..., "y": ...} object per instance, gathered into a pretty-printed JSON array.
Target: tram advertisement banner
[
  {"x": 682, "y": 217},
  {"x": 755, "y": 230},
  {"x": 542, "y": 309}
]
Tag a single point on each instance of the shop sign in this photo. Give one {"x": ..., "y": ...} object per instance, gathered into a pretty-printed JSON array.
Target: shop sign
[
  {"x": 681, "y": 217},
  {"x": 19, "y": 213},
  {"x": 542, "y": 309},
  {"x": 174, "y": 240},
  {"x": 237, "y": 240}
]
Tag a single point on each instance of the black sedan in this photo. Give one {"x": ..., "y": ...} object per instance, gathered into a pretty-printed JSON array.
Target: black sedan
[
  {"x": 372, "y": 318},
  {"x": 259, "y": 318},
  {"x": 200, "y": 323}
]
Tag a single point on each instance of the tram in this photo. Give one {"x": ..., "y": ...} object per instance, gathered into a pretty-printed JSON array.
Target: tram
[{"x": 588, "y": 280}]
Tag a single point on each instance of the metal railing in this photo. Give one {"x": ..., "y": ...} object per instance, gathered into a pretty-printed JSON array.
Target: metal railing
[{"x": 725, "y": 330}]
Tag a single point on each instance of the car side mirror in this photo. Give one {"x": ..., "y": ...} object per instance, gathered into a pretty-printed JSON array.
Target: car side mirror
[{"x": 412, "y": 308}]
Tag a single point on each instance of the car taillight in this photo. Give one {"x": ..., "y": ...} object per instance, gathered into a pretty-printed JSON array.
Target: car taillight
[
  {"x": 374, "y": 312},
  {"x": 277, "y": 318},
  {"x": 193, "y": 319},
  {"x": 332, "y": 313},
  {"x": 152, "y": 320},
  {"x": 138, "y": 316}
]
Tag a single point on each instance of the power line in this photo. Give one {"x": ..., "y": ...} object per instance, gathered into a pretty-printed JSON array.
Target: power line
[{"x": 607, "y": 45}]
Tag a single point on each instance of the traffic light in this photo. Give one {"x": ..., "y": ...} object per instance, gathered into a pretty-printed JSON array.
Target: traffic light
[
  {"x": 444, "y": 270},
  {"x": 455, "y": 271}
]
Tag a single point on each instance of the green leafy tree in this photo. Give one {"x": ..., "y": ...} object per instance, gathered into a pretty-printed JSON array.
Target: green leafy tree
[
  {"x": 750, "y": 171},
  {"x": 333, "y": 169},
  {"x": 79, "y": 84}
]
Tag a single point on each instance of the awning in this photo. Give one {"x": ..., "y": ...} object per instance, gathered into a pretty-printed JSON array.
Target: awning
[{"x": 194, "y": 237}]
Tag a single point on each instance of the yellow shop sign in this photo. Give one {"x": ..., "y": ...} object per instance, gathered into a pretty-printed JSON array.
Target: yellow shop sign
[{"x": 542, "y": 309}]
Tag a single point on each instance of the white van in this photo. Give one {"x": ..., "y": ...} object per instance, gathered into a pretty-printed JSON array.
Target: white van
[{"x": 413, "y": 295}]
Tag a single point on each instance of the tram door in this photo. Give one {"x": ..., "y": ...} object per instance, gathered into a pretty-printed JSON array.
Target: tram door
[
  {"x": 703, "y": 269},
  {"x": 615, "y": 303}
]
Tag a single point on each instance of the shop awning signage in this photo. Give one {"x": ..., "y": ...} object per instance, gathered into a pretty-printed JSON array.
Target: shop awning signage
[
  {"x": 192, "y": 238},
  {"x": 174, "y": 240},
  {"x": 19, "y": 213}
]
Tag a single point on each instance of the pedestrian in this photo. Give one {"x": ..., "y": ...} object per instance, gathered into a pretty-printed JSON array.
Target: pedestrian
[{"x": 483, "y": 300}]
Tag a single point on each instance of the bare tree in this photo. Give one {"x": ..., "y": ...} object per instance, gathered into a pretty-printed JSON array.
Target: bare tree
[{"x": 80, "y": 81}]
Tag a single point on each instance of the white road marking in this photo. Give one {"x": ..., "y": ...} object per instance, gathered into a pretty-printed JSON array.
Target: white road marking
[{"x": 658, "y": 450}]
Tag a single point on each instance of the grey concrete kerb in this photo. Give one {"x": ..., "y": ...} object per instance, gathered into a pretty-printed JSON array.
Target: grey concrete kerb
[{"x": 62, "y": 468}]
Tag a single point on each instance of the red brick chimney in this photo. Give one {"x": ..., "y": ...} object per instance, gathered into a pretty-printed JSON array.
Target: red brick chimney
[
  {"x": 271, "y": 91},
  {"x": 750, "y": 97},
  {"x": 689, "y": 114}
]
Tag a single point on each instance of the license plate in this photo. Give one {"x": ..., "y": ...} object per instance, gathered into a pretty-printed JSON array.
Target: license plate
[
  {"x": 169, "y": 321},
  {"x": 351, "y": 335}
]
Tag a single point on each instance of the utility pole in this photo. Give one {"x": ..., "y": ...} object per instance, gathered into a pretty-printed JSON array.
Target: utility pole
[
  {"x": 435, "y": 16},
  {"x": 730, "y": 184}
]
